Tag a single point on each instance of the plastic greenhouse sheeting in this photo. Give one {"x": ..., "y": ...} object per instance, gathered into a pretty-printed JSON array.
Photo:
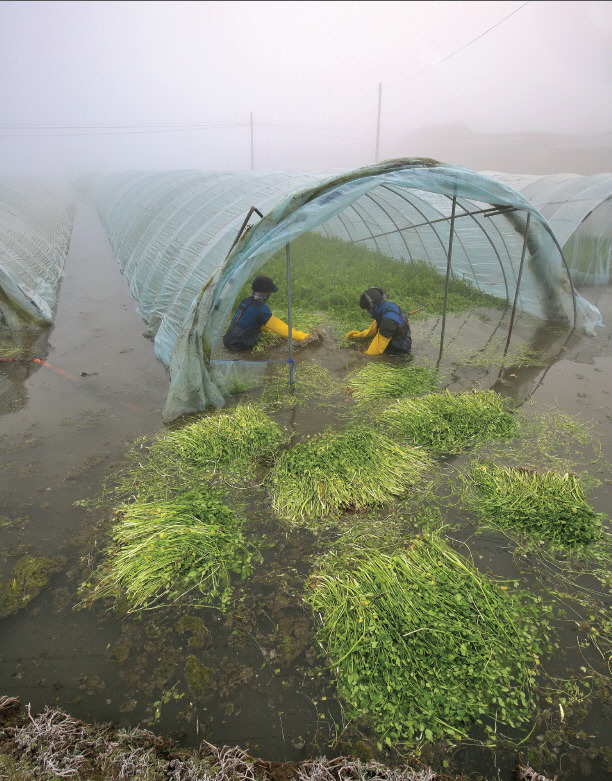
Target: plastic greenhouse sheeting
[
  {"x": 35, "y": 227},
  {"x": 579, "y": 210},
  {"x": 172, "y": 232}
]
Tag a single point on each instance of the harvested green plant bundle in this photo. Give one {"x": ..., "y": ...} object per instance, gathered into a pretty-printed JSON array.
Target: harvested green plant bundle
[
  {"x": 382, "y": 381},
  {"x": 349, "y": 470},
  {"x": 423, "y": 644},
  {"x": 311, "y": 381},
  {"x": 448, "y": 423},
  {"x": 546, "y": 505},
  {"x": 240, "y": 436},
  {"x": 162, "y": 550}
]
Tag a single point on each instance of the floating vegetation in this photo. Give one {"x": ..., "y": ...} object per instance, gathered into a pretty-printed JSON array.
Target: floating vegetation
[
  {"x": 311, "y": 382},
  {"x": 547, "y": 505},
  {"x": 336, "y": 471},
  {"x": 242, "y": 435},
  {"x": 377, "y": 381},
  {"x": 449, "y": 423},
  {"x": 424, "y": 645},
  {"x": 160, "y": 551},
  {"x": 27, "y": 579},
  {"x": 494, "y": 353},
  {"x": 233, "y": 441}
]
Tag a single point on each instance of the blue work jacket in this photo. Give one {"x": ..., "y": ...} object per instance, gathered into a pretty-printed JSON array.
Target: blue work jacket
[
  {"x": 245, "y": 329},
  {"x": 393, "y": 324}
]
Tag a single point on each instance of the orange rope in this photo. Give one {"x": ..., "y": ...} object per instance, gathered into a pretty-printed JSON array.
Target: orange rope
[
  {"x": 57, "y": 370},
  {"x": 42, "y": 363}
]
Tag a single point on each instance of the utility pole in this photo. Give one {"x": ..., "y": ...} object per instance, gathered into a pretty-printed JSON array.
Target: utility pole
[
  {"x": 378, "y": 123},
  {"x": 252, "y": 155}
]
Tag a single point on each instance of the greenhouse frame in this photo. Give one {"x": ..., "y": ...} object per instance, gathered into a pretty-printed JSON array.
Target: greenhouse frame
[{"x": 178, "y": 237}]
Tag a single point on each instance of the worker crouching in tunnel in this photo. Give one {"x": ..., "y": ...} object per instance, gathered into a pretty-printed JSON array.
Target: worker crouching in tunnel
[
  {"x": 390, "y": 327},
  {"x": 254, "y": 315}
]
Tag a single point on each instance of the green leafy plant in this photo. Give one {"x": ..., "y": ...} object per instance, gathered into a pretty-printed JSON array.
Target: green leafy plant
[
  {"x": 384, "y": 381},
  {"x": 243, "y": 434},
  {"x": 449, "y": 423},
  {"x": 234, "y": 441},
  {"x": 329, "y": 275},
  {"x": 423, "y": 644},
  {"x": 548, "y": 505},
  {"x": 337, "y": 471},
  {"x": 162, "y": 550}
]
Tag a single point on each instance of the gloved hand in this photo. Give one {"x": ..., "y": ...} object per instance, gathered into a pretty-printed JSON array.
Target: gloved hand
[{"x": 370, "y": 331}]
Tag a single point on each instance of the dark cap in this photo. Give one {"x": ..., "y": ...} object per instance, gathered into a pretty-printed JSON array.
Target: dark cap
[
  {"x": 264, "y": 285},
  {"x": 372, "y": 297}
]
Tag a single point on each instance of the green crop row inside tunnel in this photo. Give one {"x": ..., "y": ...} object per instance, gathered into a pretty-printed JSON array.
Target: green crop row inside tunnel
[{"x": 175, "y": 237}]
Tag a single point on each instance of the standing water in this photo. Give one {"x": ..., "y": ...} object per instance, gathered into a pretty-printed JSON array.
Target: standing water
[{"x": 249, "y": 676}]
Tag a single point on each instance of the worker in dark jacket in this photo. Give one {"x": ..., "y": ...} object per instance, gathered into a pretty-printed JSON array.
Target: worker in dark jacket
[
  {"x": 390, "y": 327},
  {"x": 254, "y": 315}
]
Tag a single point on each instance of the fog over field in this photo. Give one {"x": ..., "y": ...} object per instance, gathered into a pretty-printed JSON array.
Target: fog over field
[{"x": 98, "y": 86}]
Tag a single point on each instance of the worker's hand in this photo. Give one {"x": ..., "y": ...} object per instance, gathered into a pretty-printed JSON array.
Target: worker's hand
[
  {"x": 369, "y": 331},
  {"x": 316, "y": 335}
]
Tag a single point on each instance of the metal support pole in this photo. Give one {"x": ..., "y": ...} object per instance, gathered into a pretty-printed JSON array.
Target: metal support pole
[
  {"x": 378, "y": 123},
  {"x": 518, "y": 285},
  {"x": 289, "y": 316},
  {"x": 448, "y": 272},
  {"x": 242, "y": 227},
  {"x": 252, "y": 145}
]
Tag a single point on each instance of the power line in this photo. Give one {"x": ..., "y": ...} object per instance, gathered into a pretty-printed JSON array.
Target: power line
[
  {"x": 461, "y": 48},
  {"x": 132, "y": 126},
  {"x": 50, "y": 131}
]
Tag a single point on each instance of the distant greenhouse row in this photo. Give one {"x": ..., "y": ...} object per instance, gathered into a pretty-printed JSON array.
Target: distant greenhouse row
[
  {"x": 187, "y": 241},
  {"x": 35, "y": 226}
]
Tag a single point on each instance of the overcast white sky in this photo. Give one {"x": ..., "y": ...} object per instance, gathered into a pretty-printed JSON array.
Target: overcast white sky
[{"x": 309, "y": 72}]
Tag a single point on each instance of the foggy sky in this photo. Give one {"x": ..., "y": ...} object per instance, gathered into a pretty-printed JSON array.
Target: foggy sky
[{"x": 119, "y": 81}]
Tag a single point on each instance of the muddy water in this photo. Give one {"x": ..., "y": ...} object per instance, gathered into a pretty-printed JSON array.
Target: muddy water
[{"x": 249, "y": 677}]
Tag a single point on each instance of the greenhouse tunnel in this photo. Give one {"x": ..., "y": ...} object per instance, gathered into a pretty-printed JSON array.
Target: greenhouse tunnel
[
  {"x": 579, "y": 210},
  {"x": 175, "y": 235},
  {"x": 35, "y": 226}
]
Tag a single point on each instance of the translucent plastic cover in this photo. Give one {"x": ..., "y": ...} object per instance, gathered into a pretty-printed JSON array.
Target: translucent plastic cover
[
  {"x": 172, "y": 233},
  {"x": 35, "y": 227},
  {"x": 579, "y": 210}
]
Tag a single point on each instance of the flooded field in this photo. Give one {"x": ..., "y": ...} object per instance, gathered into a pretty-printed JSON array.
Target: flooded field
[{"x": 253, "y": 675}]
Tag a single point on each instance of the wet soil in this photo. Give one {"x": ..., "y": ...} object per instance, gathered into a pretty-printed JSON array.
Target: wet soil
[{"x": 252, "y": 676}]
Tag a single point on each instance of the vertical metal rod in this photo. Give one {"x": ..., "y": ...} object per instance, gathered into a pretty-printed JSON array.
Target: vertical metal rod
[
  {"x": 378, "y": 123},
  {"x": 289, "y": 315},
  {"x": 448, "y": 271},
  {"x": 518, "y": 285},
  {"x": 252, "y": 145}
]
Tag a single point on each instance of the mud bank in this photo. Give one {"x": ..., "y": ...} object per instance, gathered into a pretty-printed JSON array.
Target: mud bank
[{"x": 52, "y": 744}]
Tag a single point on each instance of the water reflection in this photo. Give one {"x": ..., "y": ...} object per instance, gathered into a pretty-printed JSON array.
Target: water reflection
[{"x": 17, "y": 351}]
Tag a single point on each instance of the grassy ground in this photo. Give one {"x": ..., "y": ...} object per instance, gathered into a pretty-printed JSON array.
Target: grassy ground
[{"x": 328, "y": 277}]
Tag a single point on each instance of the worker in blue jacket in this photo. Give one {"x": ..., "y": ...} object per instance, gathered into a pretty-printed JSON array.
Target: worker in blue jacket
[
  {"x": 254, "y": 315},
  {"x": 390, "y": 327}
]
